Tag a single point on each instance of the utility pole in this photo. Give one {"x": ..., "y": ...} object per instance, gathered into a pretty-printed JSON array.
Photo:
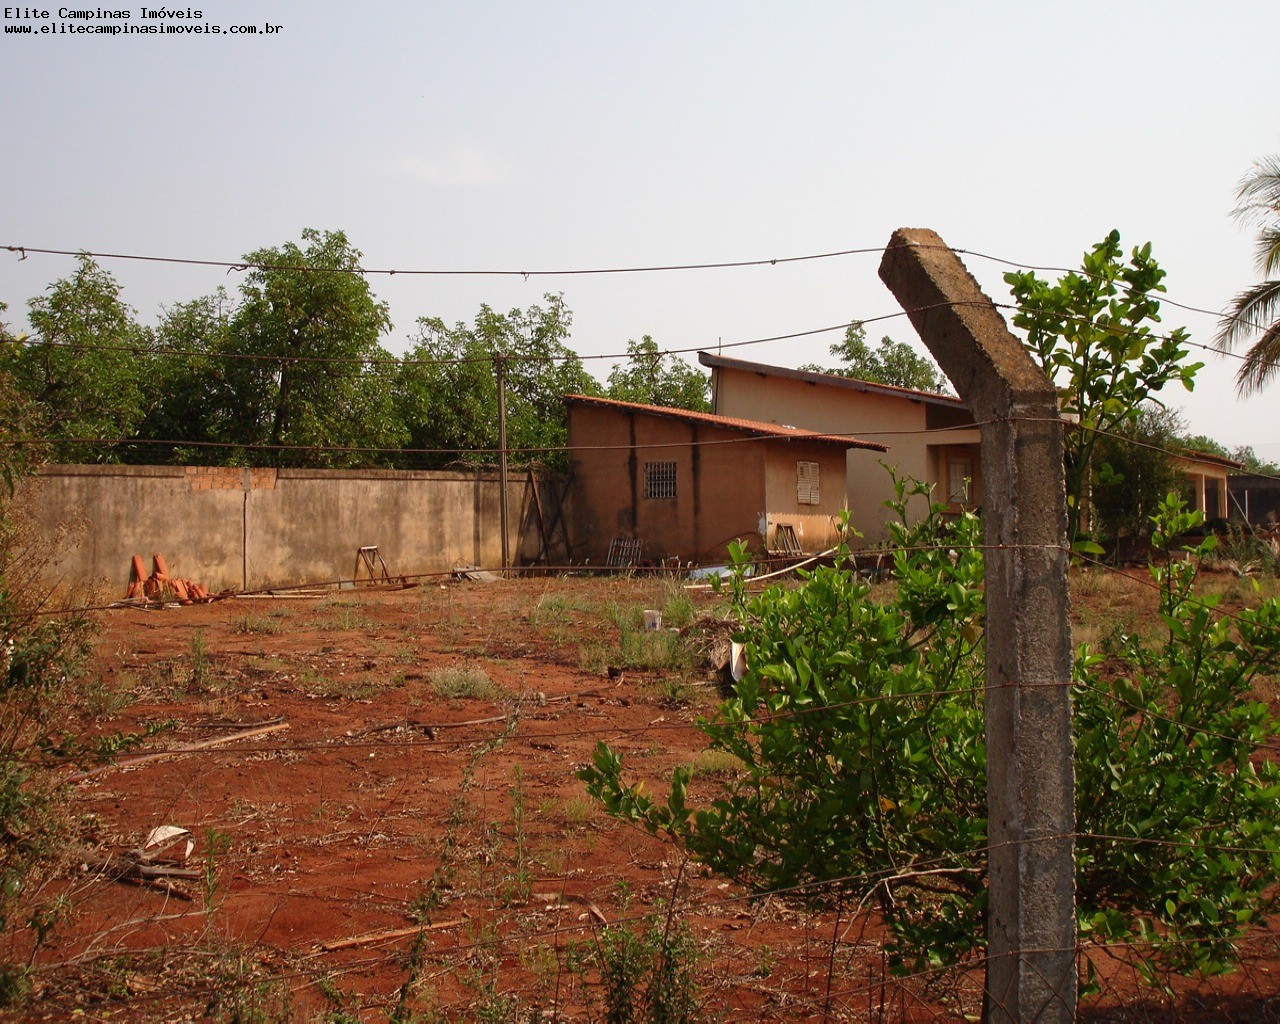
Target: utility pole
[
  {"x": 1031, "y": 925},
  {"x": 500, "y": 367}
]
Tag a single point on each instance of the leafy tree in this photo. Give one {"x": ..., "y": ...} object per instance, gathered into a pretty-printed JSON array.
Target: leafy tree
[
  {"x": 1092, "y": 334},
  {"x": 195, "y": 399},
  {"x": 82, "y": 367},
  {"x": 1202, "y": 443},
  {"x": 1257, "y": 310},
  {"x": 447, "y": 391},
  {"x": 1166, "y": 729},
  {"x": 316, "y": 376},
  {"x": 651, "y": 377},
  {"x": 447, "y": 397},
  {"x": 859, "y": 726},
  {"x": 1139, "y": 453},
  {"x": 892, "y": 363},
  {"x": 20, "y": 421},
  {"x": 1253, "y": 462}
]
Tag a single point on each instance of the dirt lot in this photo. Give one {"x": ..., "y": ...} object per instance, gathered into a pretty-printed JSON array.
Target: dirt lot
[{"x": 406, "y": 833}]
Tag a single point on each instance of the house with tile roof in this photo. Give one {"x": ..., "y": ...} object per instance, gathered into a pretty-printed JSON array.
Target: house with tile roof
[
  {"x": 931, "y": 437},
  {"x": 671, "y": 485},
  {"x": 1206, "y": 481}
]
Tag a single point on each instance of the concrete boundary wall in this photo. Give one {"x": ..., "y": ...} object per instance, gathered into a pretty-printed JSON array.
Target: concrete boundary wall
[{"x": 256, "y": 528}]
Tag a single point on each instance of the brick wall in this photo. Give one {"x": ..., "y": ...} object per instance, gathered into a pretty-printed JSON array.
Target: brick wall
[{"x": 229, "y": 478}]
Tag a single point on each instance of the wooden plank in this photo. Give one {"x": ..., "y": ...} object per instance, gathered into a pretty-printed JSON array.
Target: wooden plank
[{"x": 187, "y": 748}]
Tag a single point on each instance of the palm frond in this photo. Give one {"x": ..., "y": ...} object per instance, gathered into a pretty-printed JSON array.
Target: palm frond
[
  {"x": 1257, "y": 309},
  {"x": 1252, "y": 310},
  {"x": 1261, "y": 362},
  {"x": 1258, "y": 194},
  {"x": 1266, "y": 250}
]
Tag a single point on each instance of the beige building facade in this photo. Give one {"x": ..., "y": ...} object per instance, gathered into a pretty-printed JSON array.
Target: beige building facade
[
  {"x": 249, "y": 529},
  {"x": 930, "y": 437}
]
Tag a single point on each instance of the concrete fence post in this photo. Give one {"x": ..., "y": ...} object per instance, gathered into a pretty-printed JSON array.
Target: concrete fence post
[{"x": 1031, "y": 928}]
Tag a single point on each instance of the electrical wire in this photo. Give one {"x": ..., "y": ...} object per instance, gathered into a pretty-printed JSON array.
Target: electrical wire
[
  {"x": 795, "y": 434},
  {"x": 643, "y": 730},
  {"x": 388, "y": 360},
  {"x": 24, "y": 251},
  {"x": 242, "y": 265}
]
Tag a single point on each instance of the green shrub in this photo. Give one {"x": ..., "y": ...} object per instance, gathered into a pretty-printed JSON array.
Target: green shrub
[{"x": 860, "y": 728}]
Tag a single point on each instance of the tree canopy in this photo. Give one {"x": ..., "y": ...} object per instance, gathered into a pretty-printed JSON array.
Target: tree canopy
[
  {"x": 652, "y": 377},
  {"x": 893, "y": 362},
  {"x": 21, "y": 421},
  {"x": 290, "y": 371},
  {"x": 290, "y": 368},
  {"x": 316, "y": 377},
  {"x": 447, "y": 387},
  {"x": 1142, "y": 471},
  {"x": 1092, "y": 332},
  {"x": 82, "y": 366},
  {"x": 195, "y": 402}
]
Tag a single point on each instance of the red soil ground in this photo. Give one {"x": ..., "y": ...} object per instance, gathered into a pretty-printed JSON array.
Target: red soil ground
[{"x": 388, "y": 847}]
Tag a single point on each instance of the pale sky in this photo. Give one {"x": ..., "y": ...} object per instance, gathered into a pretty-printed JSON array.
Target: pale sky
[{"x": 554, "y": 136}]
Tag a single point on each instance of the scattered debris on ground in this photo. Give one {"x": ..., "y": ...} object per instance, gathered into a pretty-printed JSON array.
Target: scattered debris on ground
[{"x": 162, "y": 588}]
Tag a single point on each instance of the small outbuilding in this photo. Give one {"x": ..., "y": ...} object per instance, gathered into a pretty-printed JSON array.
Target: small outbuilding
[{"x": 671, "y": 484}]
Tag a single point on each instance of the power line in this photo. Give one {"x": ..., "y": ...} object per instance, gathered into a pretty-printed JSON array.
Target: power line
[
  {"x": 853, "y": 433},
  {"x": 243, "y": 265}
]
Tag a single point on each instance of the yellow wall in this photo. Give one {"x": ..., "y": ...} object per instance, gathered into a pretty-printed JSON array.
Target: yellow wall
[
  {"x": 815, "y": 525},
  {"x": 257, "y": 528},
  {"x": 1203, "y": 480}
]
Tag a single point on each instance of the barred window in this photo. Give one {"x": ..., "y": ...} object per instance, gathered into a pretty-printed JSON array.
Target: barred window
[
  {"x": 659, "y": 479},
  {"x": 807, "y": 483}
]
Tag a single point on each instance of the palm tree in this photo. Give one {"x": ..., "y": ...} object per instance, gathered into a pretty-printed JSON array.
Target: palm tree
[{"x": 1258, "y": 308}]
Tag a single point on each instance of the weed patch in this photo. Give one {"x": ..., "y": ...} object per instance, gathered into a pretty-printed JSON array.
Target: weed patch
[
  {"x": 40, "y": 667},
  {"x": 344, "y": 616},
  {"x": 465, "y": 683},
  {"x": 258, "y": 625},
  {"x": 649, "y": 975}
]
